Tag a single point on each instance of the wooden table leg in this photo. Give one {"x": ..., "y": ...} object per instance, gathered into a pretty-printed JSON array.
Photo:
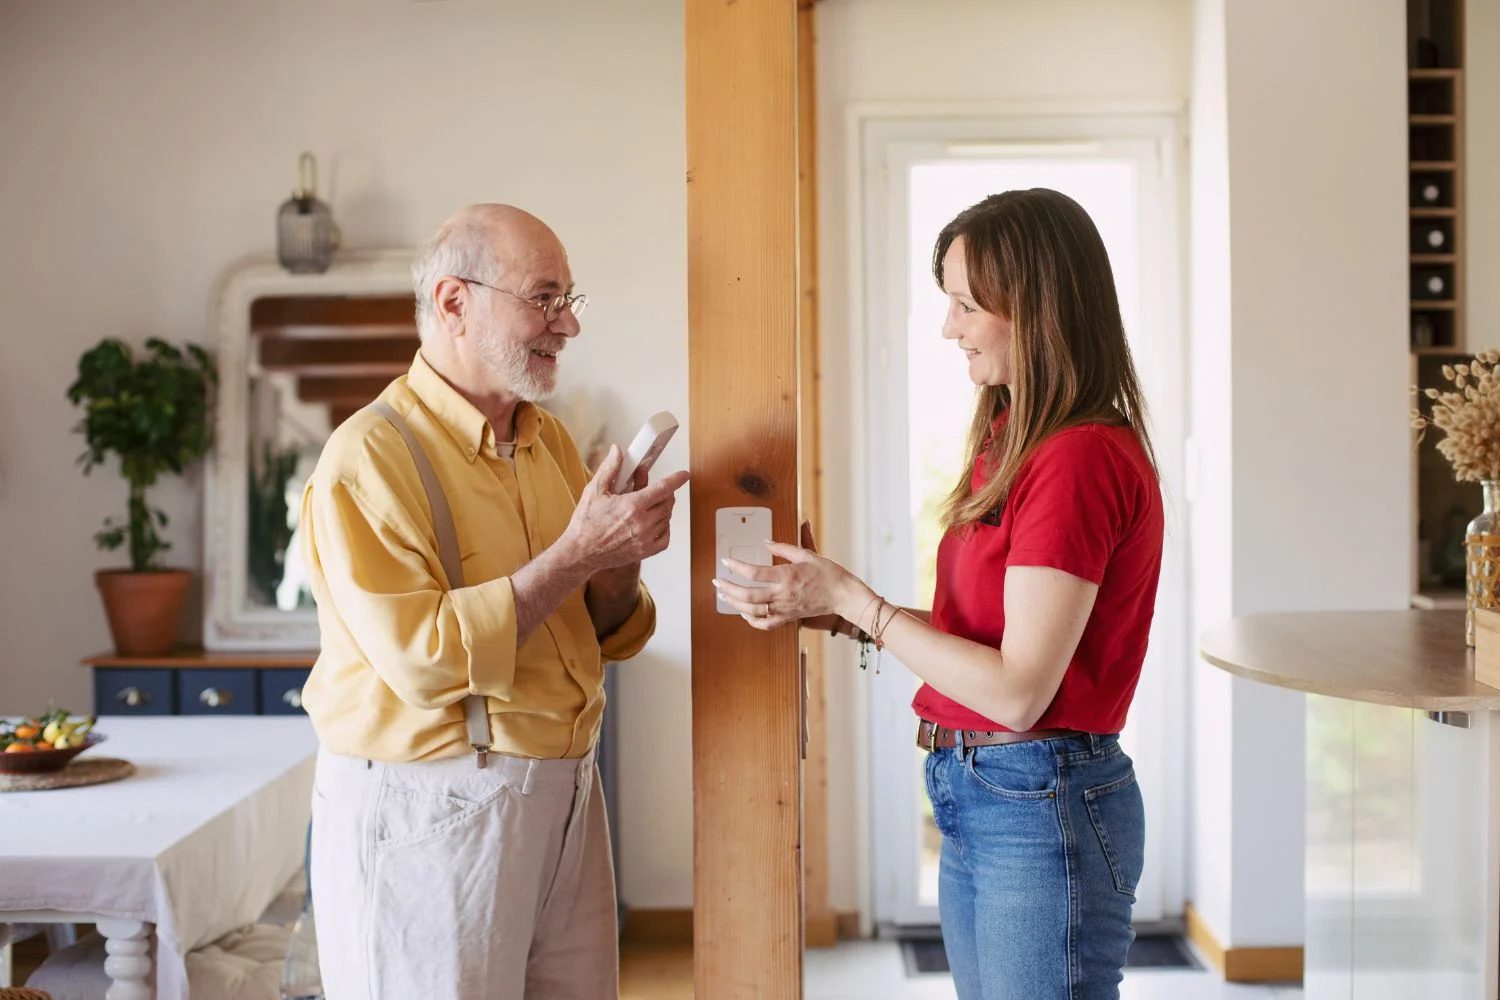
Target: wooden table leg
[
  {"x": 128, "y": 945},
  {"x": 5, "y": 954}
]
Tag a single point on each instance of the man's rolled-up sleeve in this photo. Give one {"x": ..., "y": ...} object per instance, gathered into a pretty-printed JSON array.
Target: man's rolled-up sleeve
[
  {"x": 430, "y": 646},
  {"x": 633, "y": 633}
]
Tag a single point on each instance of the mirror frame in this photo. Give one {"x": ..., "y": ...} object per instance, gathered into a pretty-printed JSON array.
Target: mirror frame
[{"x": 228, "y": 623}]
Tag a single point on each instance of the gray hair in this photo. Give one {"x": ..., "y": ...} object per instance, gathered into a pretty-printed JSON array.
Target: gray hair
[{"x": 460, "y": 247}]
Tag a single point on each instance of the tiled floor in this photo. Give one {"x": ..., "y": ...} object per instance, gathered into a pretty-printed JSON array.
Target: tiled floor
[{"x": 874, "y": 970}]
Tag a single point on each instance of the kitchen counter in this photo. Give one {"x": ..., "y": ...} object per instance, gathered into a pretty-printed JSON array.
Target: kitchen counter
[
  {"x": 1405, "y": 659},
  {"x": 1401, "y": 860}
]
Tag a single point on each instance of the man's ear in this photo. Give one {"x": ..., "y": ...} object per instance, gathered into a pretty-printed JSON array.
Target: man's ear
[{"x": 450, "y": 301}]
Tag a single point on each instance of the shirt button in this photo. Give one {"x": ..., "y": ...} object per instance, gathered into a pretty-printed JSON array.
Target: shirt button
[{"x": 471, "y": 452}]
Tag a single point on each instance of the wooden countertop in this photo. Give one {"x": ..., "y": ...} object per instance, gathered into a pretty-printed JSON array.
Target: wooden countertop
[
  {"x": 1407, "y": 659},
  {"x": 199, "y": 660}
]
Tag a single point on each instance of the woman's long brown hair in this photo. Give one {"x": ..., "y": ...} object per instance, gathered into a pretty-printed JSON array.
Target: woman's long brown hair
[{"x": 1035, "y": 258}]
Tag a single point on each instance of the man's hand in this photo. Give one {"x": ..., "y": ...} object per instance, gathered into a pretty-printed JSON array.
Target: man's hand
[
  {"x": 601, "y": 548},
  {"x": 611, "y": 530}
]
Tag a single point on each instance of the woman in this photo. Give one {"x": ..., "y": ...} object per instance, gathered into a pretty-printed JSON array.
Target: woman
[{"x": 1046, "y": 582}]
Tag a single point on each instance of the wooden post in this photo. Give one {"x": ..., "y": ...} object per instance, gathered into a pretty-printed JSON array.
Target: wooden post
[
  {"x": 821, "y": 922},
  {"x": 743, "y": 299}
]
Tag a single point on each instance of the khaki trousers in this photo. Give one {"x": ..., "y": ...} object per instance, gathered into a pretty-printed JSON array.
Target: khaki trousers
[{"x": 446, "y": 881}]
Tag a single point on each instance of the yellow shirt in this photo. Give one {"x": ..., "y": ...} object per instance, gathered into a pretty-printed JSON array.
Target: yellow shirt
[{"x": 400, "y": 650}]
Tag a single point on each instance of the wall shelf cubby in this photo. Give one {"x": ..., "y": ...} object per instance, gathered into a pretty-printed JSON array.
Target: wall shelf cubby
[{"x": 1442, "y": 507}]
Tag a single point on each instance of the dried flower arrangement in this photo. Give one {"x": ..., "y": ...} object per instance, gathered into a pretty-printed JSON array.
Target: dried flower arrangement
[{"x": 1469, "y": 417}]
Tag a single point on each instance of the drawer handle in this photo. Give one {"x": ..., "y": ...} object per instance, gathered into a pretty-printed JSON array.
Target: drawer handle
[
  {"x": 134, "y": 696},
  {"x": 293, "y": 697},
  {"x": 214, "y": 698}
]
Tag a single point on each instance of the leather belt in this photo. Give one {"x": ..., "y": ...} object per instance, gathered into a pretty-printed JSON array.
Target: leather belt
[{"x": 931, "y": 736}]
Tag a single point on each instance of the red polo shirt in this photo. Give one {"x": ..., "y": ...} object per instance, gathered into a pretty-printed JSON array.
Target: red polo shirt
[{"x": 1088, "y": 503}]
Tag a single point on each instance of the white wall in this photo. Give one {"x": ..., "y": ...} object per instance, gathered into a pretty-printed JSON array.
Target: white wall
[
  {"x": 1210, "y": 493},
  {"x": 1313, "y": 132},
  {"x": 963, "y": 55},
  {"x": 1482, "y": 170},
  {"x": 148, "y": 144}
]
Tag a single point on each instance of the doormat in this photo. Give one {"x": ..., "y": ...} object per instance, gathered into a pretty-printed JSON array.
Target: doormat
[{"x": 925, "y": 956}]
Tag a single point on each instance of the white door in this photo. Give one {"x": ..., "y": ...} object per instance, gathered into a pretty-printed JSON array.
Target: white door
[{"x": 916, "y": 176}]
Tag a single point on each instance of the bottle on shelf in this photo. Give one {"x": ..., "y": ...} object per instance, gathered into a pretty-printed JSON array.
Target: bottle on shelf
[
  {"x": 1431, "y": 282},
  {"x": 1423, "y": 333},
  {"x": 1429, "y": 55},
  {"x": 1428, "y": 191},
  {"x": 1431, "y": 237}
]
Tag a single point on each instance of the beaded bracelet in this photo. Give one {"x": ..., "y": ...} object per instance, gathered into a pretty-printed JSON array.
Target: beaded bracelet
[{"x": 876, "y": 637}]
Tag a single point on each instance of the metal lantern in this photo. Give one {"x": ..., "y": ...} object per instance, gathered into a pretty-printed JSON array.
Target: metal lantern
[{"x": 305, "y": 233}]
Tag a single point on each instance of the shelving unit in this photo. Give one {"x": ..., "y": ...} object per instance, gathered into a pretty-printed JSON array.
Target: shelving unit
[{"x": 1435, "y": 122}]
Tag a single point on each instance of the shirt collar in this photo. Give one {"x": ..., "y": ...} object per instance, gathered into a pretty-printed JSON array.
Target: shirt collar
[{"x": 461, "y": 418}]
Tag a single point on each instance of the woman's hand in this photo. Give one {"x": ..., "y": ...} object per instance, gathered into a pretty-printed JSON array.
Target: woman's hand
[
  {"x": 807, "y": 588},
  {"x": 819, "y": 623}
]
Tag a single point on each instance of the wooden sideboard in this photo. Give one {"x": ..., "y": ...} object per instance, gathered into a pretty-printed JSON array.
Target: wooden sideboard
[{"x": 194, "y": 682}]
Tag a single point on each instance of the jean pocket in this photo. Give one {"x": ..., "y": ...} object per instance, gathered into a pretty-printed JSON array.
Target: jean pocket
[
  {"x": 1118, "y": 818},
  {"x": 408, "y": 815},
  {"x": 1020, "y": 777}
]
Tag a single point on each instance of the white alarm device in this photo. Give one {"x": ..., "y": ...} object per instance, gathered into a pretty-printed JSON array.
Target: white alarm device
[
  {"x": 740, "y": 533},
  {"x": 647, "y": 447}
]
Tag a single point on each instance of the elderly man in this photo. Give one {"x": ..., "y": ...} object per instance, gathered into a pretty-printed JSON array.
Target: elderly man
[{"x": 471, "y": 579}]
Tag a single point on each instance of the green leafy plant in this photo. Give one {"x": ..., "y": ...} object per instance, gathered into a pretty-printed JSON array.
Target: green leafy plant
[
  {"x": 269, "y": 528},
  {"x": 153, "y": 412}
]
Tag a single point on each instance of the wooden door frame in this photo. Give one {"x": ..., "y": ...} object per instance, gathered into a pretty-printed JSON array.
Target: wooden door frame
[
  {"x": 821, "y": 920},
  {"x": 744, "y": 306}
]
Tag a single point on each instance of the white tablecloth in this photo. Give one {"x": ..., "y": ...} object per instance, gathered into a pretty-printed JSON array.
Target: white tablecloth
[{"x": 198, "y": 841}]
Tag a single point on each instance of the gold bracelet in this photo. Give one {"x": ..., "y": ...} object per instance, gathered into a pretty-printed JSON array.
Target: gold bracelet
[
  {"x": 875, "y": 632},
  {"x": 880, "y": 629},
  {"x": 861, "y": 614}
]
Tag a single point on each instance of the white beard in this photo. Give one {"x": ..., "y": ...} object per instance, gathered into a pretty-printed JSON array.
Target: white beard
[{"x": 512, "y": 363}]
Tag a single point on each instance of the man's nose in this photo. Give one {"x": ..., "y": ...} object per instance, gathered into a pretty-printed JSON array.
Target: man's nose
[{"x": 566, "y": 324}]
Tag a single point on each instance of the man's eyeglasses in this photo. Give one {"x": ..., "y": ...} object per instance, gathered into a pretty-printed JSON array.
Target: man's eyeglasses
[{"x": 550, "y": 305}]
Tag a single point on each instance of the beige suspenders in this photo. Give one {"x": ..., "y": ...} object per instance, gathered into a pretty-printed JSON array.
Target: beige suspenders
[{"x": 476, "y": 712}]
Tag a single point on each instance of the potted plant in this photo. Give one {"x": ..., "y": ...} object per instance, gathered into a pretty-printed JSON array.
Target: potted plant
[
  {"x": 1468, "y": 414},
  {"x": 154, "y": 413}
]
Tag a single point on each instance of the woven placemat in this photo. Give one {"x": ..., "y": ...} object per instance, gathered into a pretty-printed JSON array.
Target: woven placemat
[{"x": 80, "y": 771}]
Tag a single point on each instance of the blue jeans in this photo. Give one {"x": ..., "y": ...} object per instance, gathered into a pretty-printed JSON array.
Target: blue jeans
[{"x": 1043, "y": 843}]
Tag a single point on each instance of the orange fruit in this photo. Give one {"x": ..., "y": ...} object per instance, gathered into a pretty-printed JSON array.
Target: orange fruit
[
  {"x": 26, "y": 732},
  {"x": 20, "y": 748},
  {"x": 43, "y": 745}
]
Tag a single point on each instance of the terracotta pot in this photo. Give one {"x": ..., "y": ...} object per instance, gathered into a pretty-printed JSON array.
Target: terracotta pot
[{"x": 144, "y": 609}]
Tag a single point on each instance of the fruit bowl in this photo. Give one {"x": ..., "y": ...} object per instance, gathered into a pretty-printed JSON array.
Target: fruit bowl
[{"x": 42, "y": 761}]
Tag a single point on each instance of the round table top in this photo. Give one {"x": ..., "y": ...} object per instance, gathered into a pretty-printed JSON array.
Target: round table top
[{"x": 1406, "y": 659}]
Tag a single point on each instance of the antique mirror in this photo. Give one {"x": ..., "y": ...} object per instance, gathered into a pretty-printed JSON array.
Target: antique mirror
[{"x": 297, "y": 353}]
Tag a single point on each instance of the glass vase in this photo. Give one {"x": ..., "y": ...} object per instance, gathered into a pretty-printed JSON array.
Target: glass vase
[
  {"x": 1482, "y": 558},
  {"x": 301, "y": 978}
]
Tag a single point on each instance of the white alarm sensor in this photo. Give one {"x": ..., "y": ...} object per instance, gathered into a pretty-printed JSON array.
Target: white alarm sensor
[{"x": 647, "y": 447}]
